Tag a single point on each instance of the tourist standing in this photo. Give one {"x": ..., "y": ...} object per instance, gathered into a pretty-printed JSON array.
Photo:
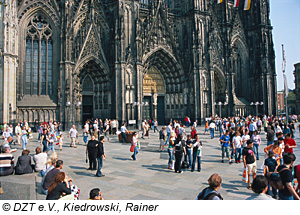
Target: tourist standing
[
  {"x": 179, "y": 150},
  {"x": 85, "y": 132},
  {"x": 170, "y": 150},
  {"x": 212, "y": 126},
  {"x": 106, "y": 130},
  {"x": 197, "y": 154},
  {"x": 45, "y": 140},
  {"x": 123, "y": 132},
  {"x": 162, "y": 137},
  {"x": 100, "y": 157},
  {"x": 188, "y": 155},
  {"x": 92, "y": 150},
  {"x": 18, "y": 132},
  {"x": 237, "y": 146},
  {"x": 24, "y": 138}
]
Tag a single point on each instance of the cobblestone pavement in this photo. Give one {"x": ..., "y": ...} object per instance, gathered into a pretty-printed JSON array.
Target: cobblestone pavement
[{"x": 145, "y": 179}]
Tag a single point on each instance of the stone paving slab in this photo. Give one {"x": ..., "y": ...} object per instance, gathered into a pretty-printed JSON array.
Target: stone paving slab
[{"x": 145, "y": 179}]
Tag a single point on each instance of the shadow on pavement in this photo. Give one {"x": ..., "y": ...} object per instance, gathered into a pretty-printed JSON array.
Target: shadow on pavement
[
  {"x": 160, "y": 168},
  {"x": 77, "y": 167}
]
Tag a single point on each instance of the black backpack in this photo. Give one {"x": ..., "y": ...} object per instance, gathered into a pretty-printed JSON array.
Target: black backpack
[
  {"x": 209, "y": 196},
  {"x": 184, "y": 165}
]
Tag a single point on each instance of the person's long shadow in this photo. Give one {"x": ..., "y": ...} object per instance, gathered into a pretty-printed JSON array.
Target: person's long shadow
[
  {"x": 85, "y": 173},
  {"x": 160, "y": 168},
  {"x": 77, "y": 167},
  {"x": 122, "y": 159}
]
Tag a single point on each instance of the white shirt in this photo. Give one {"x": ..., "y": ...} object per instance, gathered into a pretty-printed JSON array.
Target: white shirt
[
  {"x": 199, "y": 151},
  {"x": 123, "y": 129},
  {"x": 245, "y": 137},
  {"x": 195, "y": 124},
  {"x": 73, "y": 132},
  {"x": 169, "y": 129},
  {"x": 155, "y": 123},
  {"x": 18, "y": 130},
  {"x": 40, "y": 160},
  {"x": 114, "y": 124},
  {"x": 212, "y": 125},
  {"x": 6, "y": 134},
  {"x": 86, "y": 127},
  {"x": 237, "y": 140}
]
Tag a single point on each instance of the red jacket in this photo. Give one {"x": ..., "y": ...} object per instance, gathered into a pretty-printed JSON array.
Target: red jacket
[{"x": 193, "y": 133}]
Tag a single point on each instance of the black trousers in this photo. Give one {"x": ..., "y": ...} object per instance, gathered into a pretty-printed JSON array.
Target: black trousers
[
  {"x": 178, "y": 158},
  {"x": 92, "y": 160}
]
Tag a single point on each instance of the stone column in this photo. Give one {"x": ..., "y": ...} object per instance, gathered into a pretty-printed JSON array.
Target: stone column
[{"x": 212, "y": 91}]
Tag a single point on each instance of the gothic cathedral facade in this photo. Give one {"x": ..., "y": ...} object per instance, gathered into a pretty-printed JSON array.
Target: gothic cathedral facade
[{"x": 72, "y": 60}]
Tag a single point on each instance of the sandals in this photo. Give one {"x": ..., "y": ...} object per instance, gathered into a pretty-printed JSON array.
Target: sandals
[{"x": 249, "y": 187}]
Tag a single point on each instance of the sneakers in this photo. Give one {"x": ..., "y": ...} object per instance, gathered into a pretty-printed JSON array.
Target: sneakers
[{"x": 230, "y": 162}]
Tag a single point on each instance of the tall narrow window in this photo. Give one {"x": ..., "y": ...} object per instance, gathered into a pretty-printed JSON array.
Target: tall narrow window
[{"x": 39, "y": 48}]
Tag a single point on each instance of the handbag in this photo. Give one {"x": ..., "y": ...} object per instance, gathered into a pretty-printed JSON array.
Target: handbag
[
  {"x": 245, "y": 175},
  {"x": 132, "y": 147}
]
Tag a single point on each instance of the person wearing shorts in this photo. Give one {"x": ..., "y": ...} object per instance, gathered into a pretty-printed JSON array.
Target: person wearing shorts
[
  {"x": 162, "y": 137},
  {"x": 249, "y": 161}
]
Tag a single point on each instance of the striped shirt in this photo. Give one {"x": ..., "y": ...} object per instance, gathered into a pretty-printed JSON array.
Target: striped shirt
[{"x": 6, "y": 161}]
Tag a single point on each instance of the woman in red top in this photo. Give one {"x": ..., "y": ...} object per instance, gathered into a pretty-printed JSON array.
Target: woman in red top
[{"x": 193, "y": 133}]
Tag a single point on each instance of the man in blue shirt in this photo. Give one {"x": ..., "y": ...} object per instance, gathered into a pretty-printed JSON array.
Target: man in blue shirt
[
  {"x": 225, "y": 141},
  {"x": 252, "y": 128}
]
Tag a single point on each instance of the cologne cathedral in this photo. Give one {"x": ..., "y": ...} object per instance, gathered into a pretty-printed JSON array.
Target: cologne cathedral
[{"x": 73, "y": 60}]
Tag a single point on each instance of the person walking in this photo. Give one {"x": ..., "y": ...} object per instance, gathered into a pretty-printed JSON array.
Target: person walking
[
  {"x": 18, "y": 132},
  {"x": 237, "y": 146},
  {"x": 44, "y": 141},
  {"x": 24, "y": 138},
  {"x": 225, "y": 142},
  {"x": 212, "y": 126},
  {"x": 73, "y": 134},
  {"x": 100, "y": 157},
  {"x": 85, "y": 132},
  {"x": 135, "y": 144},
  {"x": 169, "y": 130},
  {"x": 179, "y": 149},
  {"x": 155, "y": 125},
  {"x": 270, "y": 136},
  {"x": 188, "y": 155},
  {"x": 256, "y": 143},
  {"x": 249, "y": 161},
  {"x": 106, "y": 130},
  {"x": 92, "y": 150}
]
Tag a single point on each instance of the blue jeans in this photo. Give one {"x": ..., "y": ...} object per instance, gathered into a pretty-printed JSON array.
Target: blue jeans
[
  {"x": 171, "y": 156},
  {"x": 212, "y": 132},
  {"x": 45, "y": 146},
  {"x": 168, "y": 137},
  {"x": 188, "y": 156},
  {"x": 155, "y": 129},
  {"x": 51, "y": 147},
  {"x": 24, "y": 140},
  {"x": 100, "y": 164},
  {"x": 255, "y": 148},
  {"x": 195, "y": 157},
  {"x": 283, "y": 197},
  {"x": 274, "y": 191},
  {"x": 238, "y": 153},
  {"x": 85, "y": 138},
  {"x": 187, "y": 124},
  {"x": 136, "y": 151},
  {"x": 269, "y": 143},
  {"x": 124, "y": 136}
]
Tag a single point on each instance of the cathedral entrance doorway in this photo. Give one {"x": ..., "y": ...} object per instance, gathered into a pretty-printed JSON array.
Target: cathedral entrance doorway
[
  {"x": 94, "y": 92},
  {"x": 154, "y": 92}
]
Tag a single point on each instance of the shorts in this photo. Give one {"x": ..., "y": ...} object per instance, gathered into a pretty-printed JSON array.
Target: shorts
[
  {"x": 225, "y": 150},
  {"x": 162, "y": 142},
  {"x": 252, "y": 168}
]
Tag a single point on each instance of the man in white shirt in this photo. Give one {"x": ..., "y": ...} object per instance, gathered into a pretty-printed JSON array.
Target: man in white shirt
[
  {"x": 6, "y": 135},
  {"x": 143, "y": 128},
  {"x": 212, "y": 126},
  {"x": 73, "y": 134},
  {"x": 155, "y": 124},
  {"x": 195, "y": 124},
  {"x": 237, "y": 146},
  {"x": 169, "y": 130},
  {"x": 123, "y": 132},
  {"x": 85, "y": 132},
  {"x": 182, "y": 131},
  {"x": 245, "y": 138},
  {"x": 18, "y": 132},
  {"x": 114, "y": 127}
]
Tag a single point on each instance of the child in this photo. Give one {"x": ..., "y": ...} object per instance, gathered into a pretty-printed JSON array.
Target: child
[
  {"x": 51, "y": 145},
  {"x": 206, "y": 127},
  {"x": 60, "y": 141}
]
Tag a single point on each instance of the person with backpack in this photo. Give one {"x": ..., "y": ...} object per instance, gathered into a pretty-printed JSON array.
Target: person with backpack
[
  {"x": 277, "y": 151},
  {"x": 179, "y": 149},
  {"x": 287, "y": 192},
  {"x": 197, "y": 153},
  {"x": 211, "y": 192},
  {"x": 260, "y": 187}
]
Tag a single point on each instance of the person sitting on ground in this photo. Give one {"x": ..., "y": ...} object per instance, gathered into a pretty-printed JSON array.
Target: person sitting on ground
[
  {"x": 211, "y": 192},
  {"x": 40, "y": 158},
  {"x": 50, "y": 164},
  {"x": 23, "y": 165},
  {"x": 95, "y": 194},
  {"x": 60, "y": 188},
  {"x": 6, "y": 162},
  {"x": 260, "y": 187},
  {"x": 49, "y": 178}
]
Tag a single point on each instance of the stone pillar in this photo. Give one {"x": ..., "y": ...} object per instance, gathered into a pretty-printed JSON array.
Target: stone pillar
[{"x": 212, "y": 91}]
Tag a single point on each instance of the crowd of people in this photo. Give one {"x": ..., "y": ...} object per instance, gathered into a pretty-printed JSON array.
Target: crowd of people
[{"x": 239, "y": 139}]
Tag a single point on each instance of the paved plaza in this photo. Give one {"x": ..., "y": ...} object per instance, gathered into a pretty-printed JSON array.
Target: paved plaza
[{"x": 145, "y": 179}]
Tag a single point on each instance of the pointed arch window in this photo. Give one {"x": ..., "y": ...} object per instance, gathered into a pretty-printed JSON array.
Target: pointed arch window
[{"x": 39, "y": 57}]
